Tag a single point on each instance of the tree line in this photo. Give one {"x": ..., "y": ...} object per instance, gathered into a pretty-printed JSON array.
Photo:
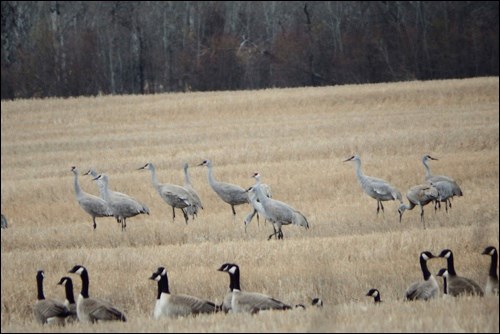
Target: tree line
[{"x": 73, "y": 48}]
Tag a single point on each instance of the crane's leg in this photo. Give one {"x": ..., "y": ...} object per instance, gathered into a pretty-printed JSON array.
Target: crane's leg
[
  {"x": 95, "y": 225},
  {"x": 173, "y": 213},
  {"x": 274, "y": 234},
  {"x": 422, "y": 215},
  {"x": 234, "y": 214},
  {"x": 186, "y": 218}
]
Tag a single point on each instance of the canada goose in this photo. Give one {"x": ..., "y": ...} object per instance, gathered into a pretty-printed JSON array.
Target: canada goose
[
  {"x": 375, "y": 294},
  {"x": 458, "y": 285},
  {"x": 168, "y": 305},
  {"x": 492, "y": 280},
  {"x": 226, "y": 303},
  {"x": 376, "y": 188},
  {"x": 70, "y": 297},
  {"x": 251, "y": 302},
  {"x": 443, "y": 272},
  {"x": 318, "y": 302},
  {"x": 428, "y": 288},
  {"x": 48, "y": 311},
  {"x": 93, "y": 309}
]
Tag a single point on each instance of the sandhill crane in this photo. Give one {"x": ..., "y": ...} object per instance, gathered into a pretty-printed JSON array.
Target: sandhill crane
[
  {"x": 448, "y": 182},
  {"x": 93, "y": 174},
  {"x": 374, "y": 187},
  {"x": 277, "y": 212},
  {"x": 252, "y": 197},
  {"x": 193, "y": 209},
  {"x": 421, "y": 195},
  {"x": 93, "y": 205},
  {"x": 121, "y": 207},
  {"x": 174, "y": 195},
  {"x": 229, "y": 193}
]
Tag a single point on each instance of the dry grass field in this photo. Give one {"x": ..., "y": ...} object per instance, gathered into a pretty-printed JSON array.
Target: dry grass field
[{"x": 297, "y": 139}]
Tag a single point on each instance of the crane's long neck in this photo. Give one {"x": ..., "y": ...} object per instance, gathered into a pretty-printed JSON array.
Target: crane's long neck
[
  {"x": 427, "y": 169},
  {"x": 211, "y": 179},
  {"x": 425, "y": 270},
  {"x": 260, "y": 194},
  {"x": 103, "y": 188},
  {"x": 409, "y": 206},
  {"x": 359, "y": 173},
  {"x": 39, "y": 285},
  {"x": 154, "y": 179},
  {"x": 493, "y": 265},
  {"x": 187, "y": 180},
  {"x": 78, "y": 190}
]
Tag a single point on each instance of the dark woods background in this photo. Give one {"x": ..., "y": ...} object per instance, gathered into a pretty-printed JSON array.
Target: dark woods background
[{"x": 60, "y": 48}]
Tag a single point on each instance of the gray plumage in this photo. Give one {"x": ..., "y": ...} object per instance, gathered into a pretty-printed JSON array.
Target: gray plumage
[
  {"x": 196, "y": 205},
  {"x": 277, "y": 212},
  {"x": 375, "y": 294},
  {"x": 254, "y": 201},
  {"x": 100, "y": 185},
  {"x": 458, "y": 285},
  {"x": 376, "y": 188},
  {"x": 175, "y": 305},
  {"x": 174, "y": 195},
  {"x": 93, "y": 205},
  {"x": 491, "y": 287},
  {"x": 4, "y": 221},
  {"x": 249, "y": 302},
  {"x": 91, "y": 310},
  {"x": 48, "y": 311},
  {"x": 420, "y": 195},
  {"x": 69, "y": 302},
  {"x": 449, "y": 186},
  {"x": 426, "y": 289},
  {"x": 121, "y": 207},
  {"x": 229, "y": 193}
]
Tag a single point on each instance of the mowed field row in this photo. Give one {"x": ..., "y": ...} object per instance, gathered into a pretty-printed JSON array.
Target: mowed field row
[{"x": 297, "y": 139}]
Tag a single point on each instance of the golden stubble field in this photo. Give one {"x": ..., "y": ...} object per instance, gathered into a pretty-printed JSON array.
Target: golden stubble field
[{"x": 297, "y": 139}]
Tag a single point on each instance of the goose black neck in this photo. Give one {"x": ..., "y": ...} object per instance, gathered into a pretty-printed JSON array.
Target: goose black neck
[
  {"x": 493, "y": 265},
  {"x": 163, "y": 285},
  {"x": 85, "y": 284},
  {"x": 69, "y": 292},
  {"x": 445, "y": 286},
  {"x": 377, "y": 298},
  {"x": 451, "y": 265},
  {"x": 425, "y": 270},
  {"x": 234, "y": 280},
  {"x": 39, "y": 284}
]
